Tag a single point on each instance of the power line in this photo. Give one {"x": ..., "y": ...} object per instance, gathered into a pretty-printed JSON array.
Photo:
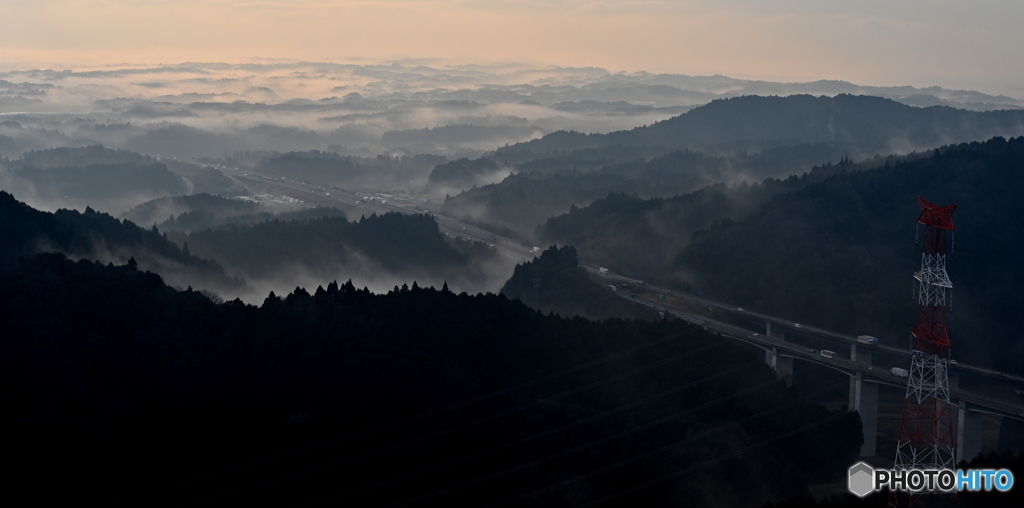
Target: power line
[
  {"x": 716, "y": 460},
  {"x": 461, "y": 426},
  {"x": 539, "y": 435},
  {"x": 690, "y": 439},
  {"x": 591, "y": 443},
  {"x": 410, "y": 419}
]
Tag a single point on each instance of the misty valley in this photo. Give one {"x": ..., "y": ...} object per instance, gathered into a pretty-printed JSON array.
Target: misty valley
[{"x": 384, "y": 285}]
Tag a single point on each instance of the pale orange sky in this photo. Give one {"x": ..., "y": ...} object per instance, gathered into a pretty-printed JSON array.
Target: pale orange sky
[{"x": 948, "y": 43}]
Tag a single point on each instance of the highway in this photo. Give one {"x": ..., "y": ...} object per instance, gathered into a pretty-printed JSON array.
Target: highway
[
  {"x": 878, "y": 374},
  {"x": 505, "y": 246},
  {"x": 380, "y": 205},
  {"x": 792, "y": 325}
]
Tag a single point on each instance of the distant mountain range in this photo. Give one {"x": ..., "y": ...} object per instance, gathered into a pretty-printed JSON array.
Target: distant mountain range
[
  {"x": 729, "y": 140},
  {"x": 834, "y": 248},
  {"x": 863, "y": 125}
]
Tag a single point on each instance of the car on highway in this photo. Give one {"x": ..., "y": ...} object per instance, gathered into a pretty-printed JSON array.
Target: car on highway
[
  {"x": 739, "y": 309},
  {"x": 798, "y": 325}
]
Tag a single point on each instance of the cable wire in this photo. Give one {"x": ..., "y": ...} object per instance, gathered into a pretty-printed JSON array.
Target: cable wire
[
  {"x": 405, "y": 421},
  {"x": 590, "y": 444},
  {"x": 688, "y": 440},
  {"x": 715, "y": 460},
  {"x": 461, "y": 426},
  {"x": 538, "y": 435}
]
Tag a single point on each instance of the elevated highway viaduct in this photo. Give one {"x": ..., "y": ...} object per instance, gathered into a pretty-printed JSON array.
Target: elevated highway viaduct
[{"x": 865, "y": 377}]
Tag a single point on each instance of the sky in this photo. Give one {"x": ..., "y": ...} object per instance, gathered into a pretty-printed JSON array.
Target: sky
[{"x": 949, "y": 43}]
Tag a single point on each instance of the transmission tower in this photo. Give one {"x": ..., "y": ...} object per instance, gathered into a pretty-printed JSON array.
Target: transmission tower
[{"x": 926, "y": 431}]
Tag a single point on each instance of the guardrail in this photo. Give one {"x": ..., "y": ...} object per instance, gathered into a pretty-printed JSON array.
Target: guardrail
[
  {"x": 803, "y": 328},
  {"x": 736, "y": 333}
]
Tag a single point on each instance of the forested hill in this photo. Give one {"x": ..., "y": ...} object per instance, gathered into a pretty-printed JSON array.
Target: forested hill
[
  {"x": 65, "y": 157},
  {"x": 555, "y": 282},
  {"x": 547, "y": 187},
  {"x": 840, "y": 253},
  {"x": 204, "y": 211},
  {"x": 729, "y": 140},
  {"x": 105, "y": 179},
  {"x": 409, "y": 247},
  {"x": 208, "y": 206},
  {"x": 98, "y": 236},
  {"x": 863, "y": 125},
  {"x": 122, "y": 391},
  {"x": 639, "y": 236}
]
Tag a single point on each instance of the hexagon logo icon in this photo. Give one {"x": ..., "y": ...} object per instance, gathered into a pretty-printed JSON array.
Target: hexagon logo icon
[{"x": 861, "y": 482}]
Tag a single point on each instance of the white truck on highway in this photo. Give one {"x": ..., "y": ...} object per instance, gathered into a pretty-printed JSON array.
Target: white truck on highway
[
  {"x": 602, "y": 270},
  {"x": 827, "y": 354},
  {"x": 896, "y": 371},
  {"x": 867, "y": 339}
]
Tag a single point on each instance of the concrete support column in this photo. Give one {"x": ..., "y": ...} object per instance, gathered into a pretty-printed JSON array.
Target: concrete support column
[
  {"x": 784, "y": 368},
  {"x": 782, "y": 365},
  {"x": 864, "y": 400},
  {"x": 968, "y": 433}
]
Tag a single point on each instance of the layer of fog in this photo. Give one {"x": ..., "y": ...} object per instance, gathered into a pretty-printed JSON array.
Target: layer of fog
[
  {"x": 198, "y": 116},
  {"x": 486, "y": 275},
  {"x": 366, "y": 109},
  {"x": 189, "y": 113}
]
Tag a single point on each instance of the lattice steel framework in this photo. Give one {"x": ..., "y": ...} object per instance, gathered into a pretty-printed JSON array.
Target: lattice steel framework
[{"x": 926, "y": 431}]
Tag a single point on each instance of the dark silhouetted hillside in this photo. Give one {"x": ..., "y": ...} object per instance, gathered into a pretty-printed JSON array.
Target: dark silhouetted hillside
[
  {"x": 98, "y": 236},
  {"x": 554, "y": 282},
  {"x": 838, "y": 253},
  {"x": 123, "y": 391},
  {"x": 381, "y": 248},
  {"x": 523, "y": 201}
]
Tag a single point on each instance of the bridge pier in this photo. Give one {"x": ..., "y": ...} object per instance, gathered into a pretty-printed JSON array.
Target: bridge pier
[
  {"x": 782, "y": 365},
  {"x": 969, "y": 433},
  {"x": 864, "y": 400},
  {"x": 970, "y": 427}
]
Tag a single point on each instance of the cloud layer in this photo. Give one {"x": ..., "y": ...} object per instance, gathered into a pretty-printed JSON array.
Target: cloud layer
[{"x": 946, "y": 43}]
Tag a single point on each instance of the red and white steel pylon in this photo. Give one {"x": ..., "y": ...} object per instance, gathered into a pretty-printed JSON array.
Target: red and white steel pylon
[{"x": 926, "y": 431}]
